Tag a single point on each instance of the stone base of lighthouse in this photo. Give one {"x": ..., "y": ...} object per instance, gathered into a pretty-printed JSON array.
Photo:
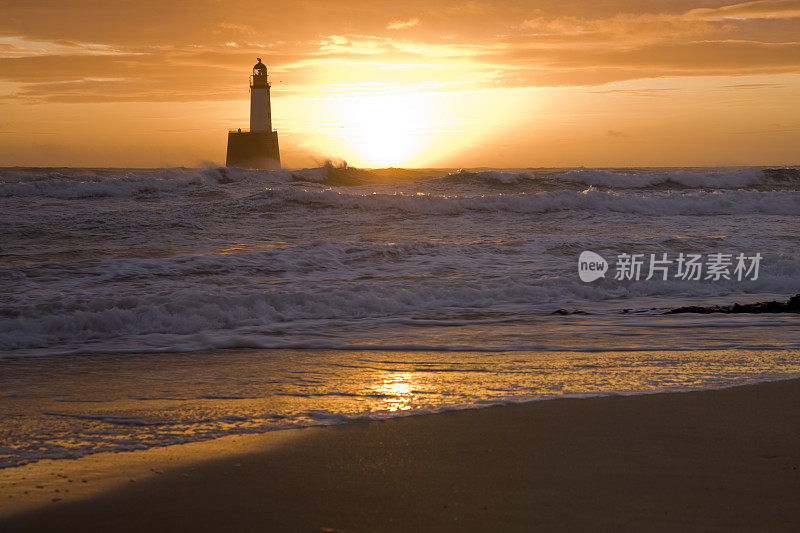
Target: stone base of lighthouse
[{"x": 253, "y": 149}]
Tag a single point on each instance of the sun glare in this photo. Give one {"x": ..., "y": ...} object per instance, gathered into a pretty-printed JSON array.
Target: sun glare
[
  {"x": 379, "y": 126},
  {"x": 385, "y": 130}
]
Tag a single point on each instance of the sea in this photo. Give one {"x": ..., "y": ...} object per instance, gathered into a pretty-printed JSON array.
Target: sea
[{"x": 150, "y": 307}]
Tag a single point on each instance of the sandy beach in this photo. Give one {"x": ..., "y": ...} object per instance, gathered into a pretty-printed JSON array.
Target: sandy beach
[{"x": 723, "y": 460}]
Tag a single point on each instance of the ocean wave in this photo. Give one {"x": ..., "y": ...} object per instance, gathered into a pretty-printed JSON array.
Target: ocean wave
[
  {"x": 712, "y": 178},
  {"x": 204, "y": 342},
  {"x": 347, "y": 259},
  {"x": 590, "y": 200},
  {"x": 70, "y": 187},
  {"x": 165, "y": 315},
  {"x": 490, "y": 177},
  {"x": 76, "y": 184},
  {"x": 681, "y": 178}
]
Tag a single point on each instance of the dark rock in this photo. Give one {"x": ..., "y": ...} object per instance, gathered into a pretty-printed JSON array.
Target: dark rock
[{"x": 790, "y": 306}]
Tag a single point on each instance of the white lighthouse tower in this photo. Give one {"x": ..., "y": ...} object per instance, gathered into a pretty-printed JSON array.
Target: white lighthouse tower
[
  {"x": 260, "y": 112},
  {"x": 257, "y": 148}
]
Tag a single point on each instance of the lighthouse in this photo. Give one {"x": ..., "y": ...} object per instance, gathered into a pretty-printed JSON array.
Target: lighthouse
[{"x": 258, "y": 147}]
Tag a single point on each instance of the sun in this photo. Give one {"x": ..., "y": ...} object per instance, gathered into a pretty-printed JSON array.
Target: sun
[{"x": 385, "y": 130}]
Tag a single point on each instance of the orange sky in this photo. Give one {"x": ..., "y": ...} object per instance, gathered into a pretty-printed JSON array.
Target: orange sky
[{"x": 417, "y": 83}]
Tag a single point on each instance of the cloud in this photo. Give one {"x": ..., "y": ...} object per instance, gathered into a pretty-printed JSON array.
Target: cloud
[
  {"x": 402, "y": 24},
  {"x": 659, "y": 26},
  {"x": 622, "y": 28},
  {"x": 53, "y": 52},
  {"x": 16, "y": 46},
  {"x": 761, "y": 9},
  {"x": 758, "y": 86},
  {"x": 666, "y": 91}
]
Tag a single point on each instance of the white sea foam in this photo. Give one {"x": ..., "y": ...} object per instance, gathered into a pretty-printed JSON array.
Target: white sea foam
[{"x": 252, "y": 316}]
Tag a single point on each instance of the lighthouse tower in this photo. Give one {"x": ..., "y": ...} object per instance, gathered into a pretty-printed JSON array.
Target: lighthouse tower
[
  {"x": 260, "y": 113},
  {"x": 257, "y": 148}
]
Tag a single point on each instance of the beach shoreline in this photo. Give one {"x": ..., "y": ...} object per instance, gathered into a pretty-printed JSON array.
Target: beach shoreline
[{"x": 722, "y": 459}]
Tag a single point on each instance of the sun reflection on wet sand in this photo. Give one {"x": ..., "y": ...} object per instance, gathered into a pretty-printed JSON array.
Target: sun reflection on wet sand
[{"x": 396, "y": 391}]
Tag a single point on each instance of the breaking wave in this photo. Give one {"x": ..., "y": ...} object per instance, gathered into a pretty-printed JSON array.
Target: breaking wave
[{"x": 192, "y": 314}]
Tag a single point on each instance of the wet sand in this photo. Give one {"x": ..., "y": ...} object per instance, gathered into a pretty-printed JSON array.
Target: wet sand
[{"x": 723, "y": 460}]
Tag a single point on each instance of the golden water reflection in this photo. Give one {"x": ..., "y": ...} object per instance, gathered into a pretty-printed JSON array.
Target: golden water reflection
[{"x": 395, "y": 391}]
